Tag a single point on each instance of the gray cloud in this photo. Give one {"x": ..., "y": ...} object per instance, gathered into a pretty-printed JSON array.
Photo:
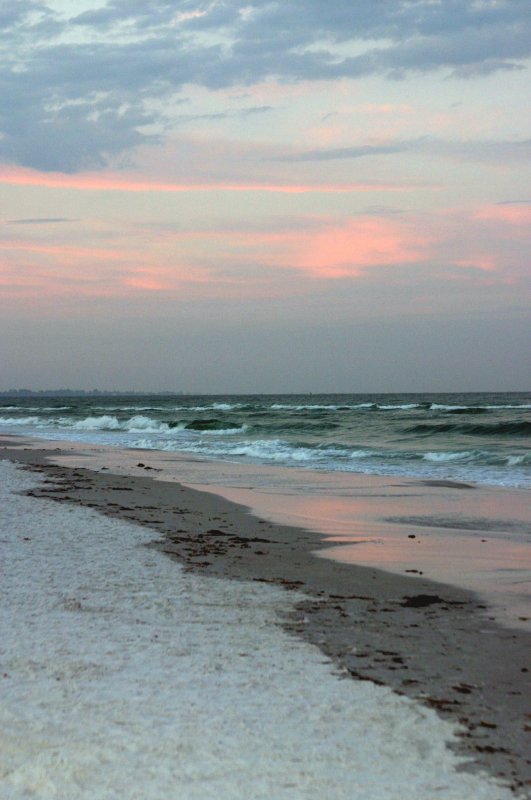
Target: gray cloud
[
  {"x": 40, "y": 221},
  {"x": 342, "y": 153},
  {"x": 486, "y": 150},
  {"x": 77, "y": 136},
  {"x": 233, "y": 114},
  {"x": 68, "y": 103},
  {"x": 382, "y": 211}
]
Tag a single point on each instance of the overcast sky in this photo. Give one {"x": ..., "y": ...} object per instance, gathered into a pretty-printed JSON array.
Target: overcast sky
[{"x": 302, "y": 195}]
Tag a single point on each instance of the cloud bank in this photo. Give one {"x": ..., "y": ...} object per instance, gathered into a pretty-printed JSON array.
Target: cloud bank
[{"x": 79, "y": 90}]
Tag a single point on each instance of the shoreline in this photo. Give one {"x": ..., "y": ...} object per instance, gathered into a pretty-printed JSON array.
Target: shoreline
[
  {"x": 472, "y": 536},
  {"x": 403, "y": 527},
  {"x": 426, "y": 640}
]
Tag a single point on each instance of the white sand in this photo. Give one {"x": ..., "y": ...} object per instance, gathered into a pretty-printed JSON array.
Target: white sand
[{"x": 123, "y": 677}]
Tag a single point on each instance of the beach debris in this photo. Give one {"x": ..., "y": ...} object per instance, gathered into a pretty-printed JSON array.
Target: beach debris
[
  {"x": 441, "y": 703},
  {"x": 464, "y": 688},
  {"x": 488, "y": 748},
  {"x": 71, "y": 604},
  {"x": 421, "y": 600},
  {"x": 287, "y": 584}
]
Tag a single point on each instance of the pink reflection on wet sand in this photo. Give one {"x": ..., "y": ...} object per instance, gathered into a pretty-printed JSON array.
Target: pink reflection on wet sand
[{"x": 472, "y": 538}]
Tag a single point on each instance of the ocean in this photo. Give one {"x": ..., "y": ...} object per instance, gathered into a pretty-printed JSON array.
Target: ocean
[{"x": 482, "y": 438}]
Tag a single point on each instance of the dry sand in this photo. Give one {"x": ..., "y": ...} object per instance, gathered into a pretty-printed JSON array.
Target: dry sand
[{"x": 429, "y": 641}]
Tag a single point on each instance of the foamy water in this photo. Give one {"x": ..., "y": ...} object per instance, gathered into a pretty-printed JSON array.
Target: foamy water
[
  {"x": 124, "y": 677},
  {"x": 481, "y": 437}
]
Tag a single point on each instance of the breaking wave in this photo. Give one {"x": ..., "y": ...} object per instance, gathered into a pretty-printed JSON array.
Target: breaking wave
[
  {"x": 522, "y": 428},
  {"x": 477, "y": 437}
]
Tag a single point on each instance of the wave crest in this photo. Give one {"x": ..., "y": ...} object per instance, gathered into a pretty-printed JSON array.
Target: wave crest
[{"x": 522, "y": 428}]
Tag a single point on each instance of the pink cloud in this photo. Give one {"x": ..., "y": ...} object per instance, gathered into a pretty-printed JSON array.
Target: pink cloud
[
  {"x": 146, "y": 283},
  {"x": 199, "y": 264},
  {"x": 139, "y": 262},
  {"x": 72, "y": 253},
  {"x": 491, "y": 239},
  {"x": 477, "y": 260},
  {"x": 508, "y": 213},
  {"x": 326, "y": 250},
  {"x": 113, "y": 182},
  {"x": 347, "y": 250}
]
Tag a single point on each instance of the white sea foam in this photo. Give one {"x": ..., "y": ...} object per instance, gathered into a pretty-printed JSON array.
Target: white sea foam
[
  {"x": 35, "y": 408},
  {"x": 124, "y": 677},
  {"x": 213, "y": 407},
  {"x": 346, "y": 406},
  {"x": 270, "y": 450},
  {"x": 520, "y": 405},
  {"x": 513, "y": 461},
  {"x": 166, "y": 408},
  {"x": 140, "y": 423},
  {"x": 444, "y": 407},
  {"x": 401, "y": 407},
  {"x": 222, "y": 431},
  {"x": 128, "y": 408},
  {"x": 106, "y": 422},
  {"x": 442, "y": 457},
  {"x": 19, "y": 420},
  {"x": 318, "y": 407},
  {"x": 136, "y": 424},
  {"x": 226, "y": 406},
  {"x": 306, "y": 407}
]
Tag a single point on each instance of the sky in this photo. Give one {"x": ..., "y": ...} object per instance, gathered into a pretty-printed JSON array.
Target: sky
[{"x": 243, "y": 197}]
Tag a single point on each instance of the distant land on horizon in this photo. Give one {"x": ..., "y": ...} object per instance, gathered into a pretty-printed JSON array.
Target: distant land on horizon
[
  {"x": 21, "y": 393},
  {"x": 79, "y": 392}
]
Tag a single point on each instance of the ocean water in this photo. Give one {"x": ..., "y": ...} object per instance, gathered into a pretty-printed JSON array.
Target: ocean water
[{"x": 484, "y": 438}]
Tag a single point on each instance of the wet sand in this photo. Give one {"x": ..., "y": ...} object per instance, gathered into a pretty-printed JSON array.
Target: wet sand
[
  {"x": 430, "y": 641},
  {"x": 474, "y": 537}
]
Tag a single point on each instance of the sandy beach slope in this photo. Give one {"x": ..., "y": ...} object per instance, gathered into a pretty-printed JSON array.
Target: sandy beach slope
[{"x": 126, "y": 674}]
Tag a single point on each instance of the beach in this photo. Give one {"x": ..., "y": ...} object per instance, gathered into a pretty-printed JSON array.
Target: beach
[
  {"x": 407, "y": 652},
  {"x": 265, "y": 400}
]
